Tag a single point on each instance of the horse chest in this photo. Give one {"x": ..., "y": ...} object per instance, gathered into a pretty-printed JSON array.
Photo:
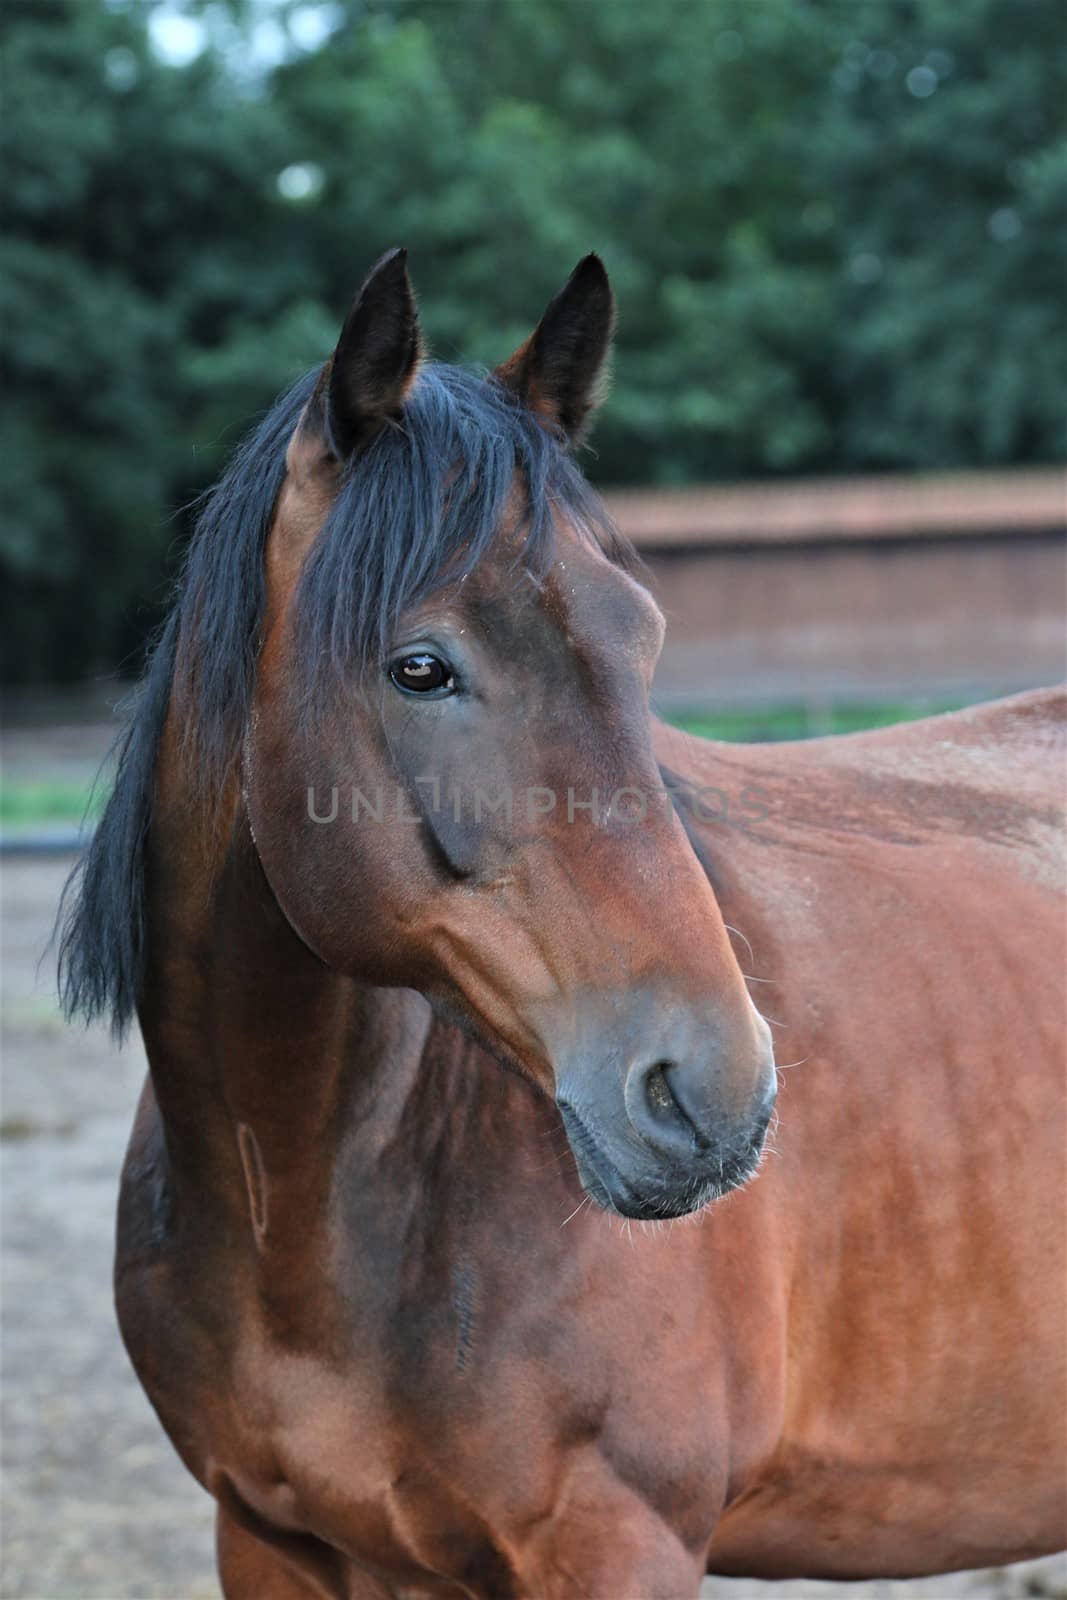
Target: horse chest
[
  {"x": 429, "y": 1440},
  {"x": 359, "y": 1457},
  {"x": 417, "y": 1401}
]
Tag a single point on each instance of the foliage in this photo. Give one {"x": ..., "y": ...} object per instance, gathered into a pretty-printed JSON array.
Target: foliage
[{"x": 834, "y": 230}]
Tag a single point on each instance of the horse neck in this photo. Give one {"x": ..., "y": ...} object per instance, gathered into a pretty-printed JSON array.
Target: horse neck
[{"x": 277, "y": 1078}]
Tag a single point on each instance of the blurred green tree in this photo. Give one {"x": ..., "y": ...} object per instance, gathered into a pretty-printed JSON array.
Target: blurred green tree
[
  {"x": 836, "y": 232},
  {"x": 946, "y": 170},
  {"x": 140, "y": 211}
]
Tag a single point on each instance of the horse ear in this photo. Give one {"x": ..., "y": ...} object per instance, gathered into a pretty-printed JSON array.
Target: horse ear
[
  {"x": 373, "y": 367},
  {"x": 560, "y": 371}
]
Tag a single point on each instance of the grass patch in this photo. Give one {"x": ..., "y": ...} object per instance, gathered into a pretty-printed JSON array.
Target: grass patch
[
  {"x": 796, "y": 722},
  {"x": 26, "y": 803}
]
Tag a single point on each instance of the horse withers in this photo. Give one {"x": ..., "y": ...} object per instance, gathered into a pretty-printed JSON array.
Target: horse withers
[{"x": 441, "y": 947}]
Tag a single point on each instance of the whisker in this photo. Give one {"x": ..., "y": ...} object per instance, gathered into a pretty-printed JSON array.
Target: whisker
[
  {"x": 740, "y": 935},
  {"x": 580, "y": 1206},
  {"x": 557, "y": 1160}
]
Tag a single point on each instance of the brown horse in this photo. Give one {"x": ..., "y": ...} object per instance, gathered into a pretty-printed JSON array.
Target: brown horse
[{"x": 430, "y": 929}]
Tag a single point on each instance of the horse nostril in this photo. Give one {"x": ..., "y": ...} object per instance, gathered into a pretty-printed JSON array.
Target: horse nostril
[
  {"x": 657, "y": 1111},
  {"x": 660, "y": 1099},
  {"x": 666, "y": 1108}
]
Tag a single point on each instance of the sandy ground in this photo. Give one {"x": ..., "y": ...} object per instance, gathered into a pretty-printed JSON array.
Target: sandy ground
[{"x": 95, "y": 1504}]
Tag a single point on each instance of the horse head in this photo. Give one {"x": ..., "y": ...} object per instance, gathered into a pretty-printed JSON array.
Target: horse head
[{"x": 449, "y": 768}]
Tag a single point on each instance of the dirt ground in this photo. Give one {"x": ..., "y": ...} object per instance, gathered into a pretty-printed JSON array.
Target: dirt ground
[{"x": 95, "y": 1504}]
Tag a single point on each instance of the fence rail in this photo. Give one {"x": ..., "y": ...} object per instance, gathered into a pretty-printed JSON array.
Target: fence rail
[{"x": 957, "y": 505}]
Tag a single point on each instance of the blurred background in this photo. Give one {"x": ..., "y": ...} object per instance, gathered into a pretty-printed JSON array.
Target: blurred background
[{"x": 837, "y": 231}]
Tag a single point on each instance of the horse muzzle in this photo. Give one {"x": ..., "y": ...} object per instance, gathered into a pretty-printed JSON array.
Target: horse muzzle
[{"x": 686, "y": 1128}]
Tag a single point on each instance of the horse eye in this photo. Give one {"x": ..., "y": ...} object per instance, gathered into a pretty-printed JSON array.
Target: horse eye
[{"x": 422, "y": 674}]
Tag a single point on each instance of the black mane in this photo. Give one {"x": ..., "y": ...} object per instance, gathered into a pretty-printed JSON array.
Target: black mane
[{"x": 424, "y": 502}]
